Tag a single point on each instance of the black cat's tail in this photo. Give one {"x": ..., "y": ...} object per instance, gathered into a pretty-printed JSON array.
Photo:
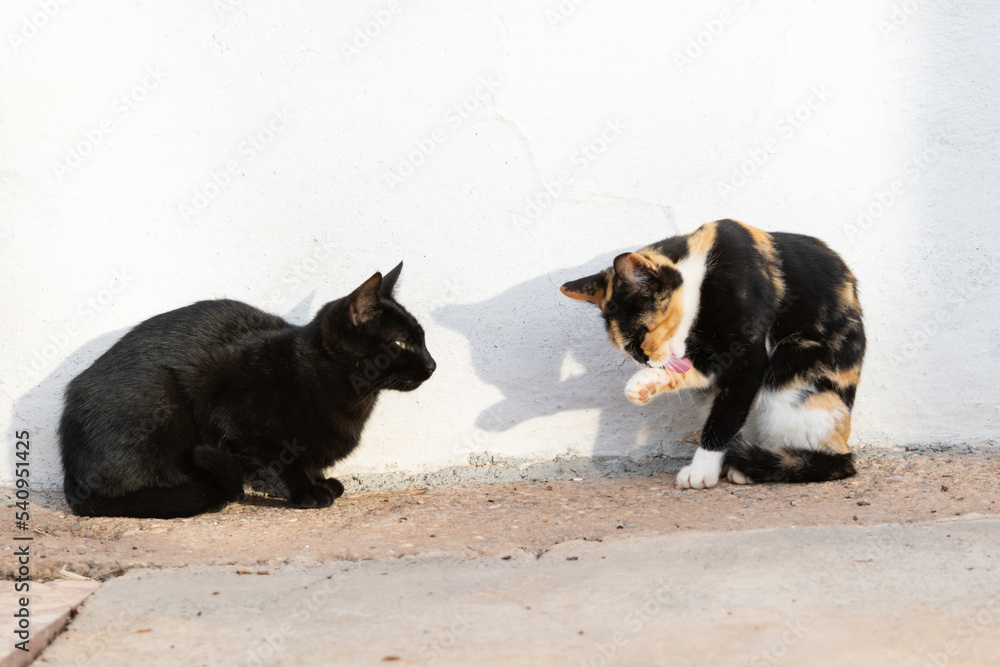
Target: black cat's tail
[
  {"x": 218, "y": 480},
  {"x": 788, "y": 464}
]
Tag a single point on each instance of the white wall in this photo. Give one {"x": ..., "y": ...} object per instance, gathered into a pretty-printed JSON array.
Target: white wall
[{"x": 119, "y": 121}]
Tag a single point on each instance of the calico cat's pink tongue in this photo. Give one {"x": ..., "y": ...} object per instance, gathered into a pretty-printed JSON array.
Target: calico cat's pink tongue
[{"x": 681, "y": 365}]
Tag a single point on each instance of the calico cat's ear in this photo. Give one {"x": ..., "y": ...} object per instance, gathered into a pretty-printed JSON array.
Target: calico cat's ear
[
  {"x": 365, "y": 301},
  {"x": 592, "y": 288},
  {"x": 389, "y": 280},
  {"x": 636, "y": 272}
]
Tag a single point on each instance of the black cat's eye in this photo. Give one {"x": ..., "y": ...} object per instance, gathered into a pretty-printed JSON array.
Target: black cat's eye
[{"x": 402, "y": 344}]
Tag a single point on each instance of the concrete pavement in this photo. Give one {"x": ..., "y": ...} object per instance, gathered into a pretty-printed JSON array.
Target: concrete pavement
[{"x": 921, "y": 594}]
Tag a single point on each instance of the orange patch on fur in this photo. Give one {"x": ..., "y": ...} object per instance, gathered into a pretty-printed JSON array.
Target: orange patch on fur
[
  {"x": 850, "y": 377},
  {"x": 595, "y": 292},
  {"x": 799, "y": 341},
  {"x": 848, "y": 293},
  {"x": 841, "y": 432},
  {"x": 761, "y": 238},
  {"x": 691, "y": 379},
  {"x": 765, "y": 244},
  {"x": 615, "y": 334},
  {"x": 633, "y": 262},
  {"x": 655, "y": 259},
  {"x": 788, "y": 460},
  {"x": 592, "y": 295},
  {"x": 828, "y": 401},
  {"x": 701, "y": 240},
  {"x": 663, "y": 326}
]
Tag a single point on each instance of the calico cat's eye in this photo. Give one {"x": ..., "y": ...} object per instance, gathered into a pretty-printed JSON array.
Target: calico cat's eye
[{"x": 402, "y": 344}]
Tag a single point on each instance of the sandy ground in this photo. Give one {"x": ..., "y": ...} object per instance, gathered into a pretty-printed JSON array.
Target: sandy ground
[{"x": 503, "y": 519}]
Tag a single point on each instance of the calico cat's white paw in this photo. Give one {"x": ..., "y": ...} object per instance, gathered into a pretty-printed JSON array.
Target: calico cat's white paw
[
  {"x": 647, "y": 383},
  {"x": 703, "y": 473},
  {"x": 736, "y": 477}
]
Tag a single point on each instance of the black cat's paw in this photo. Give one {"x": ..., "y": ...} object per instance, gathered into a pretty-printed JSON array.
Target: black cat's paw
[
  {"x": 318, "y": 495},
  {"x": 334, "y": 485}
]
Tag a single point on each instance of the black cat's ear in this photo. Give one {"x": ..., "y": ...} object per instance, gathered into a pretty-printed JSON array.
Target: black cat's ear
[
  {"x": 636, "y": 272},
  {"x": 365, "y": 301},
  {"x": 389, "y": 280},
  {"x": 592, "y": 288}
]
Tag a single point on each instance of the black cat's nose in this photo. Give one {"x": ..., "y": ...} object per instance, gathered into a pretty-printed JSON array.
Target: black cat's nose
[{"x": 430, "y": 365}]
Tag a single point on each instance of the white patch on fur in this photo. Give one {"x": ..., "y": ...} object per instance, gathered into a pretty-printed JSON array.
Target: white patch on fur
[
  {"x": 736, "y": 477},
  {"x": 644, "y": 385},
  {"x": 692, "y": 269},
  {"x": 703, "y": 473},
  {"x": 778, "y": 419},
  {"x": 768, "y": 345}
]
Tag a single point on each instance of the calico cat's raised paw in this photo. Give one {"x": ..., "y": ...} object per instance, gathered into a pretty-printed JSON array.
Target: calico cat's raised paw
[
  {"x": 647, "y": 383},
  {"x": 317, "y": 495}
]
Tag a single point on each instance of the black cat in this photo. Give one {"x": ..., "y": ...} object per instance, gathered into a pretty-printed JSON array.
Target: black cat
[{"x": 188, "y": 405}]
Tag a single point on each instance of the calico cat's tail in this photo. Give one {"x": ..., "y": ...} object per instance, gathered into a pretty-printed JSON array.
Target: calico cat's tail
[
  {"x": 218, "y": 480},
  {"x": 788, "y": 464}
]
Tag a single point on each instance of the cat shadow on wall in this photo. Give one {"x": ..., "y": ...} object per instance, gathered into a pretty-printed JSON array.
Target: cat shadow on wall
[
  {"x": 548, "y": 354},
  {"x": 40, "y": 408}
]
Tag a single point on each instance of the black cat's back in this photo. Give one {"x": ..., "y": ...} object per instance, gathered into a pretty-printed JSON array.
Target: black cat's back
[
  {"x": 141, "y": 367},
  {"x": 132, "y": 395},
  {"x": 173, "y": 339}
]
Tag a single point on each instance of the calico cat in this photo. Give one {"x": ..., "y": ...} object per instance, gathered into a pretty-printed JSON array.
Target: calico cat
[
  {"x": 179, "y": 413},
  {"x": 769, "y": 323}
]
